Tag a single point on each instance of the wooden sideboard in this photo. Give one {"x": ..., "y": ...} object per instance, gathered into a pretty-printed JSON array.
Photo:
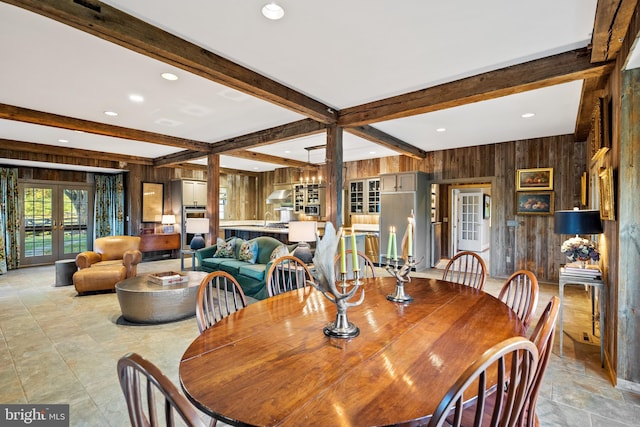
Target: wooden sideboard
[{"x": 160, "y": 242}]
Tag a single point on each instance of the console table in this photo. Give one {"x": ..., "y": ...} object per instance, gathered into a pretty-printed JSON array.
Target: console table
[
  {"x": 160, "y": 242},
  {"x": 594, "y": 283}
]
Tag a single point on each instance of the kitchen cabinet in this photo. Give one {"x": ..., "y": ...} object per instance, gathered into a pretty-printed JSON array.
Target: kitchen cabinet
[
  {"x": 309, "y": 199},
  {"x": 364, "y": 196},
  {"x": 194, "y": 193},
  {"x": 299, "y": 198},
  {"x": 398, "y": 182}
]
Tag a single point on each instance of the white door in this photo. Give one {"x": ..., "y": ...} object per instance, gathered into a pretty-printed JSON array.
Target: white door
[{"x": 469, "y": 216}]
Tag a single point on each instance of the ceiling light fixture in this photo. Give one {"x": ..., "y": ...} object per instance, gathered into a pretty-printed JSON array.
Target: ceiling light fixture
[
  {"x": 527, "y": 115},
  {"x": 63, "y": 140},
  {"x": 272, "y": 11},
  {"x": 134, "y": 97},
  {"x": 111, "y": 113},
  {"x": 441, "y": 130},
  {"x": 169, "y": 76}
]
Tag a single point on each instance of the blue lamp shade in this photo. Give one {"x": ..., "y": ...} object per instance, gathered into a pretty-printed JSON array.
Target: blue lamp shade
[
  {"x": 197, "y": 227},
  {"x": 577, "y": 222}
]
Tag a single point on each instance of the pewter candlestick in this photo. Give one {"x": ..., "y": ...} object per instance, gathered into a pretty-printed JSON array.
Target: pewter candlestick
[{"x": 402, "y": 276}]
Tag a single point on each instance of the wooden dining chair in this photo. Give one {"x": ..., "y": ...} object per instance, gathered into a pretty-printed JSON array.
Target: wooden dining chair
[
  {"x": 542, "y": 336},
  {"x": 286, "y": 274},
  {"x": 511, "y": 362},
  {"x": 145, "y": 387},
  {"x": 466, "y": 268},
  {"x": 367, "y": 269},
  {"x": 219, "y": 295},
  {"x": 520, "y": 292}
]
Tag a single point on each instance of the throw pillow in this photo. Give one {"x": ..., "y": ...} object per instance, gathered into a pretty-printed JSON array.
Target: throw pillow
[
  {"x": 278, "y": 252},
  {"x": 224, "y": 249},
  {"x": 248, "y": 252}
]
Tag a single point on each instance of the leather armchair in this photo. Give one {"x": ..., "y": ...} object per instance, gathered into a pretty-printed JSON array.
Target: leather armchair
[{"x": 114, "y": 258}]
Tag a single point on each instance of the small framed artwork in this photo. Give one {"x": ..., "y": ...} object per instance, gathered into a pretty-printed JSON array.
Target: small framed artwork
[
  {"x": 152, "y": 202},
  {"x": 607, "y": 207},
  {"x": 534, "y": 203},
  {"x": 486, "y": 206},
  {"x": 534, "y": 179}
]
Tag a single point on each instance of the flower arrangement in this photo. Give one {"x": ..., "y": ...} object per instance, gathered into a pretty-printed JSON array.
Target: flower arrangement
[{"x": 579, "y": 249}]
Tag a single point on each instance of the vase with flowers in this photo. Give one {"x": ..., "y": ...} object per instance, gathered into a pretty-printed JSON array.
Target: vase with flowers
[{"x": 579, "y": 249}]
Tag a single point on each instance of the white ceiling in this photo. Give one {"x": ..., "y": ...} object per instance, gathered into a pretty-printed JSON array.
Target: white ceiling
[{"x": 341, "y": 53}]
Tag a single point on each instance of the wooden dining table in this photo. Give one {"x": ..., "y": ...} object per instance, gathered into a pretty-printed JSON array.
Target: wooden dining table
[{"x": 270, "y": 364}]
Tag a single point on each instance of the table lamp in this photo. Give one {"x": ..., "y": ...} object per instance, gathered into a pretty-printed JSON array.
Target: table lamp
[
  {"x": 578, "y": 222},
  {"x": 303, "y": 232},
  {"x": 168, "y": 221},
  {"x": 197, "y": 227}
]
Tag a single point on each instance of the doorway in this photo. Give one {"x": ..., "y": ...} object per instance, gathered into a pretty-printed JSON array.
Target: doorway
[
  {"x": 470, "y": 220},
  {"x": 55, "y": 219}
]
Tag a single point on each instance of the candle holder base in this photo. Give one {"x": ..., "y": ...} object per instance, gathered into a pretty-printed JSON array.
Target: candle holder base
[
  {"x": 348, "y": 331},
  {"x": 399, "y": 295},
  {"x": 402, "y": 276}
]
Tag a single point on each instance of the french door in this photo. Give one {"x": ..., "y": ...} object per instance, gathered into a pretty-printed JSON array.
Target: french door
[
  {"x": 469, "y": 222},
  {"x": 56, "y": 219}
]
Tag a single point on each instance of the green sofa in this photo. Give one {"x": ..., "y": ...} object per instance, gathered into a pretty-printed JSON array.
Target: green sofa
[{"x": 251, "y": 277}]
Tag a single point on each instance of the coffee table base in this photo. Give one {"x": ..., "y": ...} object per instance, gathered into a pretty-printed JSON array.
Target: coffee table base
[{"x": 145, "y": 302}]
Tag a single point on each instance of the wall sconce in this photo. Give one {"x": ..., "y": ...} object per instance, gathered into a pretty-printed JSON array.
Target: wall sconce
[
  {"x": 197, "y": 227},
  {"x": 168, "y": 221}
]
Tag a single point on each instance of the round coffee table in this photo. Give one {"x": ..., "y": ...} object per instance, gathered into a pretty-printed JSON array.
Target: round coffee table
[{"x": 144, "y": 302}]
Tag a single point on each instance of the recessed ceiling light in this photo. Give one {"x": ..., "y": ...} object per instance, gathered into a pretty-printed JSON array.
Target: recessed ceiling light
[
  {"x": 287, "y": 151},
  {"x": 111, "y": 113},
  {"x": 527, "y": 115},
  {"x": 441, "y": 130},
  {"x": 272, "y": 11},
  {"x": 372, "y": 152},
  {"x": 63, "y": 140},
  {"x": 169, "y": 76},
  {"x": 255, "y": 168},
  {"x": 134, "y": 97}
]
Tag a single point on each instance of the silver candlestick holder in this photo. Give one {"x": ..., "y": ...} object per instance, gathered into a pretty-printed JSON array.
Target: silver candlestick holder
[
  {"x": 341, "y": 327},
  {"x": 401, "y": 273}
]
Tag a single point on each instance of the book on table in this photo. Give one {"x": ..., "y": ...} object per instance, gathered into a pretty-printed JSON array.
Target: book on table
[
  {"x": 168, "y": 278},
  {"x": 588, "y": 271}
]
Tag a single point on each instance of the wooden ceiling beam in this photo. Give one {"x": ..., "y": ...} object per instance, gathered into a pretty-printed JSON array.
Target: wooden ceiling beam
[
  {"x": 552, "y": 70},
  {"x": 113, "y": 25},
  {"x": 272, "y": 135},
  {"x": 267, "y": 158},
  {"x": 379, "y": 137},
  {"x": 26, "y": 115},
  {"x": 592, "y": 89},
  {"x": 610, "y": 27},
  {"x": 66, "y": 155}
]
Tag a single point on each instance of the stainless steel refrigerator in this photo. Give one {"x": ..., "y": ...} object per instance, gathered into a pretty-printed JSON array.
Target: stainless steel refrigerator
[{"x": 395, "y": 208}]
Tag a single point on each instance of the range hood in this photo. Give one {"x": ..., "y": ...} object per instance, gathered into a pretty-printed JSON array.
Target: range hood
[{"x": 279, "y": 196}]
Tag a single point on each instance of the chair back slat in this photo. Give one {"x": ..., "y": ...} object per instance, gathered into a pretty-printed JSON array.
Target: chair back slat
[
  {"x": 504, "y": 373},
  {"x": 286, "y": 274},
  {"x": 219, "y": 295},
  {"x": 520, "y": 292},
  {"x": 466, "y": 268},
  {"x": 143, "y": 382}
]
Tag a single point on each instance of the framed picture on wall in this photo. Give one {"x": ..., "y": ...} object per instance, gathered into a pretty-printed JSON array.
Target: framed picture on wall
[
  {"x": 152, "y": 202},
  {"x": 534, "y": 203},
  {"x": 607, "y": 207},
  {"x": 534, "y": 179}
]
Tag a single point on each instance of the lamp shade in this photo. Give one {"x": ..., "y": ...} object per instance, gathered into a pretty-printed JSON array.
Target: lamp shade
[
  {"x": 197, "y": 225},
  {"x": 302, "y": 231},
  {"x": 577, "y": 222},
  {"x": 168, "y": 219}
]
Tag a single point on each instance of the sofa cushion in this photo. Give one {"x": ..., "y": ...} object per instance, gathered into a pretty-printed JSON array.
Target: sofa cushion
[
  {"x": 281, "y": 250},
  {"x": 255, "y": 271},
  {"x": 232, "y": 266},
  {"x": 248, "y": 252},
  {"x": 212, "y": 263},
  {"x": 225, "y": 249}
]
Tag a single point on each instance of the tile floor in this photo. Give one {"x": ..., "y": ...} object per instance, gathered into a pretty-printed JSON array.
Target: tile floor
[{"x": 56, "y": 347}]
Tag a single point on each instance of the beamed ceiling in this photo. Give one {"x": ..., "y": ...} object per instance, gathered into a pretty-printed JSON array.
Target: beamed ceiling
[{"x": 259, "y": 92}]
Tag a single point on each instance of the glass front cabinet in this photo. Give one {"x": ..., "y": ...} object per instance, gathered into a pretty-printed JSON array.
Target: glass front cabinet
[{"x": 364, "y": 196}]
